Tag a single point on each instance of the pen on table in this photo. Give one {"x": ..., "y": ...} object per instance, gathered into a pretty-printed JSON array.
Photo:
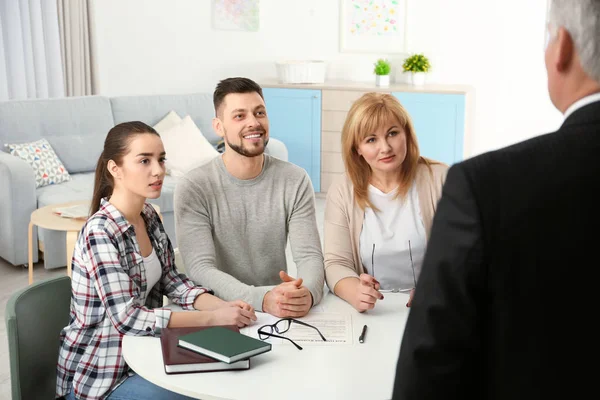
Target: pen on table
[{"x": 361, "y": 338}]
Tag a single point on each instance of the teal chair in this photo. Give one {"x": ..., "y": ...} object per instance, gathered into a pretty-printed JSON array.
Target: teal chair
[{"x": 34, "y": 318}]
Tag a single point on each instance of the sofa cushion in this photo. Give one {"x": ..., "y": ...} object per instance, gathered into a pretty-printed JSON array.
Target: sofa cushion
[
  {"x": 169, "y": 121},
  {"x": 186, "y": 147},
  {"x": 81, "y": 187},
  {"x": 74, "y": 126},
  {"x": 47, "y": 167},
  {"x": 151, "y": 109}
]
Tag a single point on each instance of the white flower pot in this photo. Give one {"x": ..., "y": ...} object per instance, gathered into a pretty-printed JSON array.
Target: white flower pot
[
  {"x": 418, "y": 78},
  {"x": 382, "y": 80}
]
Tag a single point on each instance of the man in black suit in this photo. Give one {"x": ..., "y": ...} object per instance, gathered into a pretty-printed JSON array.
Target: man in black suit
[{"x": 506, "y": 298}]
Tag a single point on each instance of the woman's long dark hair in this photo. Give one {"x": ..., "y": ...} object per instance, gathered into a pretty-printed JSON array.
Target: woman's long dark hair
[{"x": 116, "y": 145}]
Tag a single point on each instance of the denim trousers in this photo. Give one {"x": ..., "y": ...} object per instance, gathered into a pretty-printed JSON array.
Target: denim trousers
[{"x": 137, "y": 388}]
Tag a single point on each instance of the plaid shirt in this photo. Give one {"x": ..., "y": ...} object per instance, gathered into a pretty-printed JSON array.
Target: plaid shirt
[{"x": 109, "y": 300}]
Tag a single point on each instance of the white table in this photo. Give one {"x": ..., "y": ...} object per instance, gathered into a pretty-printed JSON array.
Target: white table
[{"x": 352, "y": 371}]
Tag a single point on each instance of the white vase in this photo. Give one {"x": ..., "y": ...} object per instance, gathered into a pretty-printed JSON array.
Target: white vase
[
  {"x": 418, "y": 78},
  {"x": 382, "y": 80}
]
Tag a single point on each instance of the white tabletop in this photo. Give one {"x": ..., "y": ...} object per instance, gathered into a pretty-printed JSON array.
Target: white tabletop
[{"x": 351, "y": 371}]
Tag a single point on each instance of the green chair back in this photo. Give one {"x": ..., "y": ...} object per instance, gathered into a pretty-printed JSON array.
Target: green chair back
[{"x": 34, "y": 318}]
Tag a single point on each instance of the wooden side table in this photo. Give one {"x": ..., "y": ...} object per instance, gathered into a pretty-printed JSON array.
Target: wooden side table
[{"x": 46, "y": 218}]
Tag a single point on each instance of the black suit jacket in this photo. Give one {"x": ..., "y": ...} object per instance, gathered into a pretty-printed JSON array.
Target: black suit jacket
[{"x": 506, "y": 299}]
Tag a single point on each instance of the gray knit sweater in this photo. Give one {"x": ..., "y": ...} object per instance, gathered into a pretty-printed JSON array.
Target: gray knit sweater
[{"x": 232, "y": 233}]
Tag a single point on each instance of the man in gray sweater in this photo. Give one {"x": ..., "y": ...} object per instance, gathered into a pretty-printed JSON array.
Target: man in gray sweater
[{"x": 233, "y": 215}]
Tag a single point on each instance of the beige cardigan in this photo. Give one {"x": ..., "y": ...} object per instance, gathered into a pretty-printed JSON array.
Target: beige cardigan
[{"x": 344, "y": 220}]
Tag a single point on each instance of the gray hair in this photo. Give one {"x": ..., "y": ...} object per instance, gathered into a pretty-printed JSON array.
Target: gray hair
[{"x": 581, "y": 18}]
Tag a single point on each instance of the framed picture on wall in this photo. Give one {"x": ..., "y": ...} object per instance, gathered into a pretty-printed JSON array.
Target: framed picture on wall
[
  {"x": 373, "y": 26},
  {"x": 237, "y": 15}
]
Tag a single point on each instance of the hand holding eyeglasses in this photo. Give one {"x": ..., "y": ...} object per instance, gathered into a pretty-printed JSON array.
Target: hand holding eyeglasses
[
  {"x": 288, "y": 299},
  {"x": 368, "y": 293},
  {"x": 397, "y": 290}
]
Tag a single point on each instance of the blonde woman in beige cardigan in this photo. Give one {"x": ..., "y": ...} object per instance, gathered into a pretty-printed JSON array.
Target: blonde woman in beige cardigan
[{"x": 379, "y": 213}]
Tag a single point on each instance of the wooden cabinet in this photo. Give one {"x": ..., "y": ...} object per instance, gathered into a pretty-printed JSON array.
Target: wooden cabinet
[
  {"x": 335, "y": 107},
  {"x": 309, "y": 120},
  {"x": 439, "y": 122}
]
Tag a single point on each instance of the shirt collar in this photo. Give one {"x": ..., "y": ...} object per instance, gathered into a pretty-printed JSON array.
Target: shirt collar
[
  {"x": 113, "y": 213},
  {"x": 119, "y": 219},
  {"x": 592, "y": 98}
]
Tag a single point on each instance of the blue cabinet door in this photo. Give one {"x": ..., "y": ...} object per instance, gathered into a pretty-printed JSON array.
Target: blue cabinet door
[
  {"x": 295, "y": 119},
  {"x": 439, "y": 121}
]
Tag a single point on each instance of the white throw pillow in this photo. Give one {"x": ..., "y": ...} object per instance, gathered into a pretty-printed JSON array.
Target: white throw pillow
[
  {"x": 168, "y": 121},
  {"x": 186, "y": 147}
]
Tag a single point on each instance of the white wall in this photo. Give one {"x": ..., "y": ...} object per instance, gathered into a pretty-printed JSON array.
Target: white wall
[{"x": 168, "y": 46}]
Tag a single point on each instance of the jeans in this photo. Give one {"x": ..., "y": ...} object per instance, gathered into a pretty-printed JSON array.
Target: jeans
[{"x": 137, "y": 388}]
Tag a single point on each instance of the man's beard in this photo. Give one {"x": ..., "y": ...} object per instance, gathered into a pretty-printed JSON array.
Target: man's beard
[{"x": 242, "y": 150}]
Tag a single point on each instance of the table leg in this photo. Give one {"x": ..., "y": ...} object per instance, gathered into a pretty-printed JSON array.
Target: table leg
[
  {"x": 71, "y": 240},
  {"x": 30, "y": 253}
]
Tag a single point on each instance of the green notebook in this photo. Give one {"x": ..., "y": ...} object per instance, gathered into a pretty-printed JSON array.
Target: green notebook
[{"x": 223, "y": 344}]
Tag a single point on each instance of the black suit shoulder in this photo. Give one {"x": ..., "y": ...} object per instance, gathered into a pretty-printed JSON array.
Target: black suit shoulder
[
  {"x": 513, "y": 231},
  {"x": 572, "y": 149},
  {"x": 536, "y": 188}
]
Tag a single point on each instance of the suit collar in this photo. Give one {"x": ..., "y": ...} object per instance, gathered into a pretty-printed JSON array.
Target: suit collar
[{"x": 588, "y": 113}]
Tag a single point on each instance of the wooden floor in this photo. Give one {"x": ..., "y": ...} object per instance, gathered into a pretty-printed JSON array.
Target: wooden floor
[{"x": 13, "y": 278}]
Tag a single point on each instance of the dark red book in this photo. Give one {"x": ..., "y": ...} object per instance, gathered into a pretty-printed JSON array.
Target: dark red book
[{"x": 179, "y": 360}]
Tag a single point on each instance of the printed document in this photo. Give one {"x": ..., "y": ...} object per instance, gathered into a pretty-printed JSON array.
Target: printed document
[
  {"x": 335, "y": 327},
  {"x": 79, "y": 211}
]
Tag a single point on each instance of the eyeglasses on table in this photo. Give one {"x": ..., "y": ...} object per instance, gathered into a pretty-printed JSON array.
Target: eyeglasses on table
[{"x": 282, "y": 326}]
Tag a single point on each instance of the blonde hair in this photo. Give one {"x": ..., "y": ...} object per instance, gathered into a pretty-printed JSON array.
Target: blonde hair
[{"x": 369, "y": 113}]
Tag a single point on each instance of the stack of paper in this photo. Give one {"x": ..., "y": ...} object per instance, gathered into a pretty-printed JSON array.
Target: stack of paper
[{"x": 80, "y": 211}]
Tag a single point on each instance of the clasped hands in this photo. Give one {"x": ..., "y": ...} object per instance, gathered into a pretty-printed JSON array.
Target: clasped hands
[
  {"x": 368, "y": 293},
  {"x": 288, "y": 299},
  {"x": 235, "y": 312}
]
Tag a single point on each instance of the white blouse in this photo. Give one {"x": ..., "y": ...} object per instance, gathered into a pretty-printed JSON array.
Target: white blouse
[
  {"x": 153, "y": 270},
  {"x": 385, "y": 236}
]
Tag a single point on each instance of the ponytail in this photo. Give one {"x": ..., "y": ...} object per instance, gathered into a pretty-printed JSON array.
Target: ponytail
[{"x": 103, "y": 184}]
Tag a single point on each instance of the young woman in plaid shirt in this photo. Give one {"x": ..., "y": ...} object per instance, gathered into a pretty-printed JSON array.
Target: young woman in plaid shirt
[{"x": 123, "y": 264}]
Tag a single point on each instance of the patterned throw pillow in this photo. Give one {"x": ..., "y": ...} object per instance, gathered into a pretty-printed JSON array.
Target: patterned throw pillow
[{"x": 47, "y": 167}]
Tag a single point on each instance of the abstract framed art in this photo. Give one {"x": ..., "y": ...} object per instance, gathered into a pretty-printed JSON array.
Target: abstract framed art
[
  {"x": 373, "y": 26},
  {"x": 237, "y": 15}
]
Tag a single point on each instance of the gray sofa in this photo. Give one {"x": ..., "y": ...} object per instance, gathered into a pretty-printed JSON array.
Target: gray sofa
[{"x": 76, "y": 128}]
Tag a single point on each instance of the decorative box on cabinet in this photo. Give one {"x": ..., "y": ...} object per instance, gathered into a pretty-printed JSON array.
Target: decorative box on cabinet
[{"x": 295, "y": 119}]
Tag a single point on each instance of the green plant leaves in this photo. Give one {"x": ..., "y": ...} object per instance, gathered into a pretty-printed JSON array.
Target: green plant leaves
[
  {"x": 382, "y": 67},
  {"x": 416, "y": 63}
]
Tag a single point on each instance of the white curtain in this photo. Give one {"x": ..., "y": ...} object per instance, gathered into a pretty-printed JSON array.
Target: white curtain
[
  {"x": 74, "y": 21},
  {"x": 30, "y": 57}
]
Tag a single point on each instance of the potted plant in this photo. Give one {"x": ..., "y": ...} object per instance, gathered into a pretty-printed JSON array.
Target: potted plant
[
  {"x": 382, "y": 71},
  {"x": 418, "y": 65}
]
